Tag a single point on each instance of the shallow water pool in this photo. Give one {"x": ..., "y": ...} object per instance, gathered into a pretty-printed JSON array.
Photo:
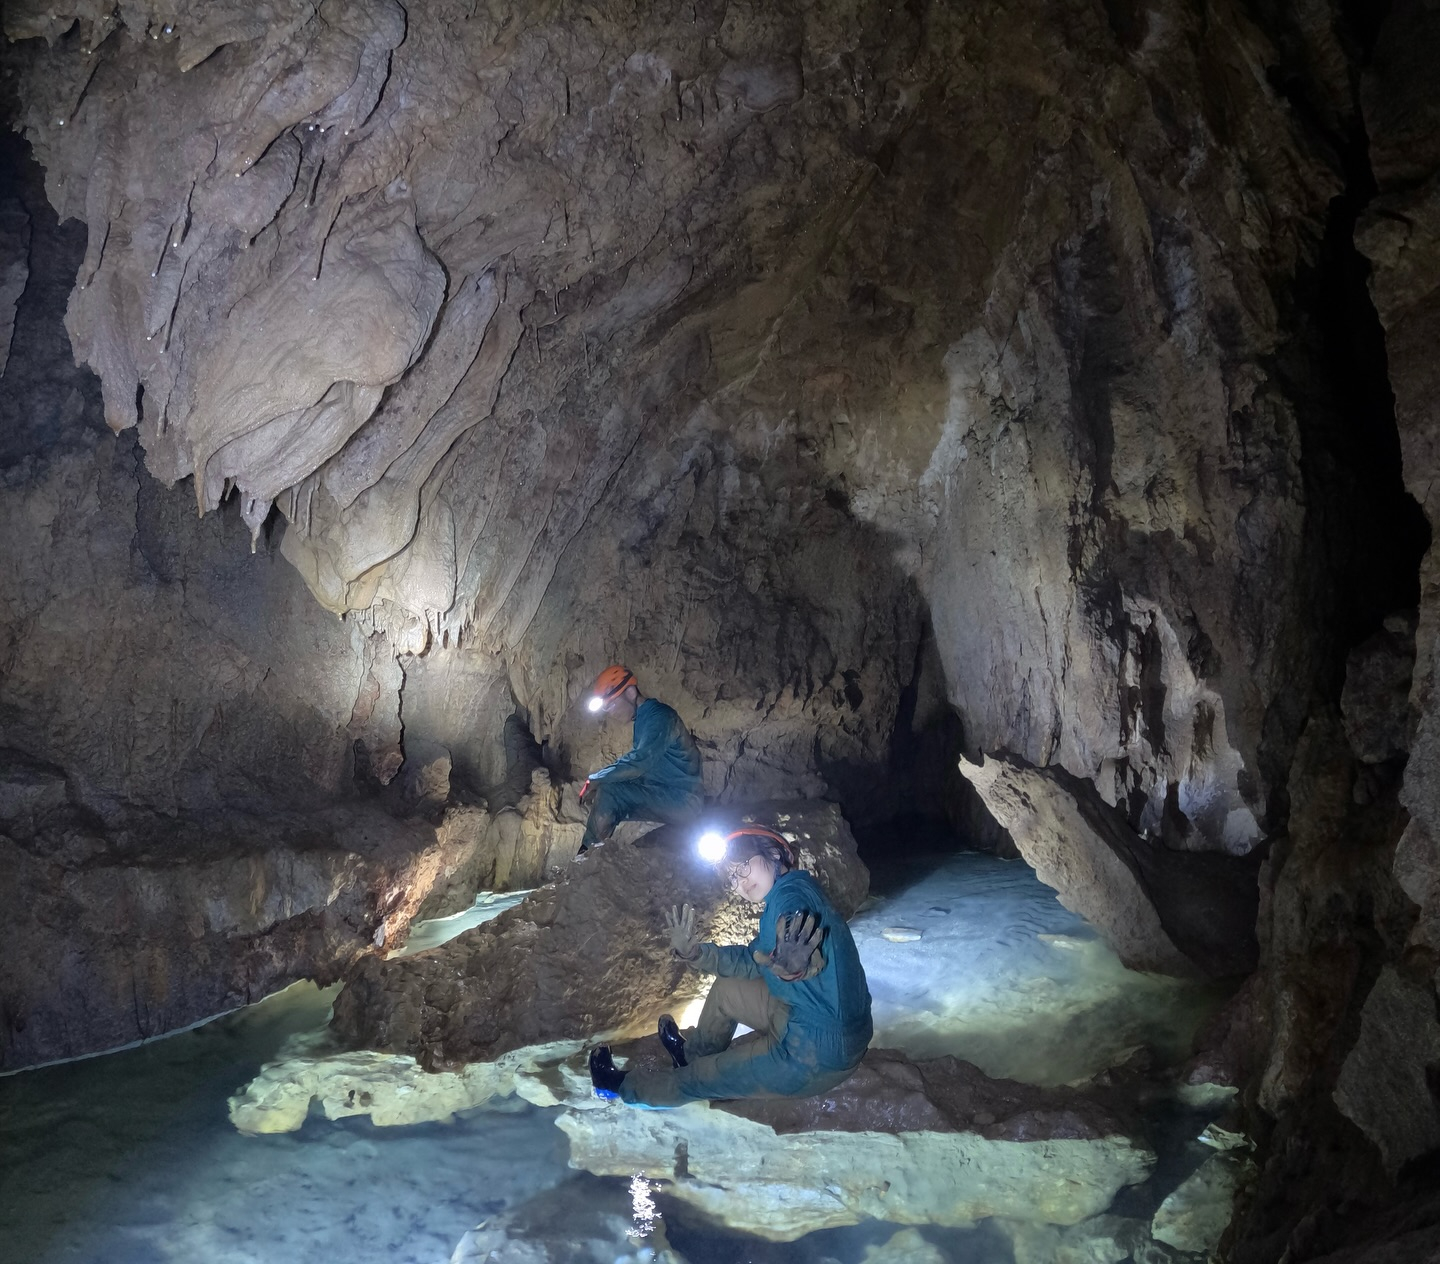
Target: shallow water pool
[{"x": 129, "y": 1158}]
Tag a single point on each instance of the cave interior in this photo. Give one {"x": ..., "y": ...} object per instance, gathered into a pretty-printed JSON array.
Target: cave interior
[{"x": 1001, "y": 432}]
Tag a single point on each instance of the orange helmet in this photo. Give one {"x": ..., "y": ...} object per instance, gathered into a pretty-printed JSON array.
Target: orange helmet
[
  {"x": 756, "y": 840},
  {"x": 609, "y": 684}
]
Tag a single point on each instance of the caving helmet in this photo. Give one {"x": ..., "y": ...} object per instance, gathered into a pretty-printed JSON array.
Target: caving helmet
[
  {"x": 749, "y": 840},
  {"x": 609, "y": 685}
]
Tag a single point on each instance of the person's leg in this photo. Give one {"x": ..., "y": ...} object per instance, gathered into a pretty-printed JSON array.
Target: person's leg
[
  {"x": 612, "y": 802},
  {"x": 732, "y": 1001},
  {"x": 750, "y": 1069},
  {"x": 642, "y": 800}
]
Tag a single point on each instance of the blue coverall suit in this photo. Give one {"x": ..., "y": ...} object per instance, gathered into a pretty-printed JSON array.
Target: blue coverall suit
[
  {"x": 658, "y": 779},
  {"x": 813, "y": 1032}
]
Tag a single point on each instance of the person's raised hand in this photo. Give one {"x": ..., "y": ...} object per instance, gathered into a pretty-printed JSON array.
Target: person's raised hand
[
  {"x": 680, "y": 927},
  {"x": 797, "y": 952}
]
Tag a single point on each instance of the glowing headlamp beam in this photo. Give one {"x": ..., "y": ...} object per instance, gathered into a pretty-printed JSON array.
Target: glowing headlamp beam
[
  {"x": 711, "y": 846},
  {"x": 595, "y": 703}
]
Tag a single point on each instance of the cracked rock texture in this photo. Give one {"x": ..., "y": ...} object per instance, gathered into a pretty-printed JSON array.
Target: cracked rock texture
[
  {"x": 684, "y": 335},
  {"x": 111, "y": 937},
  {"x": 582, "y": 955}
]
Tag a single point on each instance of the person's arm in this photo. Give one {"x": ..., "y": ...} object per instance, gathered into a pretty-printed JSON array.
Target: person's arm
[
  {"x": 797, "y": 952},
  {"x": 634, "y": 763},
  {"x": 736, "y": 961}
]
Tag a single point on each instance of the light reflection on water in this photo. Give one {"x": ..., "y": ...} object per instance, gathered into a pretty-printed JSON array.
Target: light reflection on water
[{"x": 129, "y": 1158}]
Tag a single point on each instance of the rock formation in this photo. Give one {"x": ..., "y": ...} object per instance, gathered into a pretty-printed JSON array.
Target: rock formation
[
  {"x": 1051, "y": 382},
  {"x": 912, "y": 1143},
  {"x": 109, "y": 940},
  {"x": 931, "y": 1142},
  {"x": 583, "y": 956},
  {"x": 1184, "y": 913},
  {"x": 604, "y": 247}
]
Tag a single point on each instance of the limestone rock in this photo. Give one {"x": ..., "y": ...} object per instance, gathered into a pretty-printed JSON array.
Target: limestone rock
[
  {"x": 1169, "y": 912},
  {"x": 581, "y": 956},
  {"x": 934, "y": 1142},
  {"x": 904, "y": 1247},
  {"x": 1384, "y": 1086},
  {"x": 892, "y": 1143},
  {"x": 571, "y": 430},
  {"x": 1099, "y": 1240},
  {"x": 1376, "y": 698},
  {"x": 425, "y": 777},
  {"x": 110, "y": 940},
  {"x": 889, "y": 1092},
  {"x": 390, "y": 1089},
  {"x": 1194, "y": 1216},
  {"x": 14, "y": 269}
]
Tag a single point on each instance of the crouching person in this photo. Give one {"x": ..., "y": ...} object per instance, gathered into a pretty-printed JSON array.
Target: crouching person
[{"x": 799, "y": 985}]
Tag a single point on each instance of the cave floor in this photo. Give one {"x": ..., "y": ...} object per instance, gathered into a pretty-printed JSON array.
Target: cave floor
[
  {"x": 129, "y": 1158},
  {"x": 1004, "y": 976}
]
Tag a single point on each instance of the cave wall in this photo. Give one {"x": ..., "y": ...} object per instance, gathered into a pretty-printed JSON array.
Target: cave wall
[
  {"x": 703, "y": 330},
  {"x": 839, "y": 369}
]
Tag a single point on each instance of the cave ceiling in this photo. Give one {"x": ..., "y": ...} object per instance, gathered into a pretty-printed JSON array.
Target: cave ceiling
[{"x": 743, "y": 340}]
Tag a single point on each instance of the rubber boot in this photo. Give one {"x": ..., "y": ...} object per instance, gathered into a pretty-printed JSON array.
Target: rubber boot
[
  {"x": 673, "y": 1041},
  {"x": 605, "y": 1076}
]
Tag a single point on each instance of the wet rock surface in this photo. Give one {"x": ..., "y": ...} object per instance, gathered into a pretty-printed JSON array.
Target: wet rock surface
[
  {"x": 834, "y": 366},
  {"x": 900, "y": 1141},
  {"x": 891, "y": 1093},
  {"x": 583, "y": 955},
  {"x": 557, "y": 1227},
  {"x": 1195, "y": 1216}
]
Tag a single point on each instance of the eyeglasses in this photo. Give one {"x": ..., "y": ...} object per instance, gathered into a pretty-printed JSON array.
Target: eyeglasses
[{"x": 738, "y": 870}]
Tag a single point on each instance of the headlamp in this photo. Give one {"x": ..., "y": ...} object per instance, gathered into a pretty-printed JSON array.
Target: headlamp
[
  {"x": 711, "y": 846},
  {"x": 595, "y": 703}
]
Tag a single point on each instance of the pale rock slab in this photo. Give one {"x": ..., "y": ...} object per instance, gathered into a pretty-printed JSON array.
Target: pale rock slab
[
  {"x": 1099, "y": 1240},
  {"x": 904, "y": 1247},
  {"x": 391, "y": 1089},
  {"x": 1180, "y": 913},
  {"x": 778, "y": 1187},
  {"x": 1194, "y": 1216}
]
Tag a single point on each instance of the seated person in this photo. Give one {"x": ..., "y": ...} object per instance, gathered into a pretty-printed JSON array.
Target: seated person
[
  {"x": 803, "y": 993},
  {"x": 657, "y": 780}
]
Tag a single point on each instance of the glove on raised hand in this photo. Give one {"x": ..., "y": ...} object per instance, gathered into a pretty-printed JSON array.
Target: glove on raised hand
[
  {"x": 680, "y": 926},
  {"x": 797, "y": 952}
]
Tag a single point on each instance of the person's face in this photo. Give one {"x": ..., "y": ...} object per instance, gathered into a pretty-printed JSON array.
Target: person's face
[
  {"x": 622, "y": 705},
  {"x": 752, "y": 878}
]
